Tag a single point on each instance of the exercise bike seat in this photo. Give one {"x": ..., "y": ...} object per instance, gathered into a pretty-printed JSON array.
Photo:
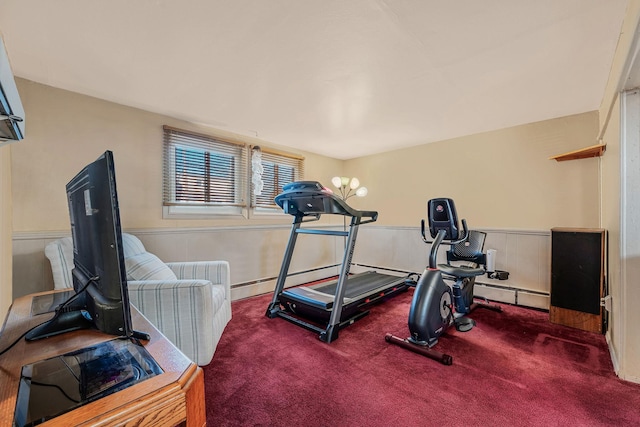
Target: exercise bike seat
[
  {"x": 469, "y": 251},
  {"x": 461, "y": 271}
]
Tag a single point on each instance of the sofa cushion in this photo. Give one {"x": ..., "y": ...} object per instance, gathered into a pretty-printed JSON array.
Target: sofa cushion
[
  {"x": 132, "y": 245},
  {"x": 60, "y": 255},
  {"x": 147, "y": 266}
]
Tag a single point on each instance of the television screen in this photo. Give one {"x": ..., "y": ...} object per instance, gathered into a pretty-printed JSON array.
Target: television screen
[
  {"x": 101, "y": 300},
  {"x": 51, "y": 387}
]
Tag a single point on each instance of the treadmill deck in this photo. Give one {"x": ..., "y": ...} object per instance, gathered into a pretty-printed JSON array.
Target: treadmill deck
[{"x": 358, "y": 288}]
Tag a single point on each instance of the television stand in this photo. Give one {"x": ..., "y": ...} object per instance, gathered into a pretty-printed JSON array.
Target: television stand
[
  {"x": 141, "y": 336},
  {"x": 49, "y": 302},
  {"x": 173, "y": 397}
]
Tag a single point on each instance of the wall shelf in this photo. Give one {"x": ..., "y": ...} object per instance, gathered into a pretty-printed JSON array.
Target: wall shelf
[{"x": 583, "y": 153}]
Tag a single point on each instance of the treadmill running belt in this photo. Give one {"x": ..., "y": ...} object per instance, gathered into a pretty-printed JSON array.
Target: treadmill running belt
[
  {"x": 358, "y": 284},
  {"x": 357, "y": 288}
]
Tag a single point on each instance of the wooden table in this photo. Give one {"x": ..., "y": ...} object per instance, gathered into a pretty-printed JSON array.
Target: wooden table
[{"x": 174, "y": 397}]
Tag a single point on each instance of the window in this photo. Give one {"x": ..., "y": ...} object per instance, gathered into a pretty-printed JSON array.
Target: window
[
  {"x": 203, "y": 175},
  {"x": 279, "y": 169},
  {"x": 206, "y": 176}
]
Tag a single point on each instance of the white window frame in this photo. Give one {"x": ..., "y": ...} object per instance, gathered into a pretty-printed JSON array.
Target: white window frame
[{"x": 176, "y": 210}]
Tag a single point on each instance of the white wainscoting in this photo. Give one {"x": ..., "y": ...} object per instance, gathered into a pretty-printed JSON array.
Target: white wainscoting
[
  {"x": 255, "y": 256},
  {"x": 525, "y": 254}
]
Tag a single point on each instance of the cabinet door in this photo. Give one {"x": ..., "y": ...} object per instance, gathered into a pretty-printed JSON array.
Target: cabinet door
[{"x": 577, "y": 277}]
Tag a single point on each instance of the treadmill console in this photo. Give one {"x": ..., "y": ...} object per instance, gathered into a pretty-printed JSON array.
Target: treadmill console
[
  {"x": 303, "y": 186},
  {"x": 303, "y": 198}
]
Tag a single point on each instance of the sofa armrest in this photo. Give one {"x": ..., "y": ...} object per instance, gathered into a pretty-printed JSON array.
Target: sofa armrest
[
  {"x": 182, "y": 310},
  {"x": 217, "y": 272}
]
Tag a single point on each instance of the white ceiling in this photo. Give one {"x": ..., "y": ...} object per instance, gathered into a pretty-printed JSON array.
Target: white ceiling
[{"x": 342, "y": 78}]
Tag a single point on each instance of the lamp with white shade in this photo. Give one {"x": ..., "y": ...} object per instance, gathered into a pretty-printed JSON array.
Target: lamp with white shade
[{"x": 349, "y": 187}]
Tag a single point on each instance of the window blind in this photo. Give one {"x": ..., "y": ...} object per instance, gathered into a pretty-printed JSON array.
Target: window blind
[
  {"x": 279, "y": 169},
  {"x": 202, "y": 170}
]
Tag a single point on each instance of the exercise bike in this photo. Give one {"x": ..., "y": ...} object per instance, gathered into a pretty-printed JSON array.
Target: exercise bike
[{"x": 436, "y": 305}]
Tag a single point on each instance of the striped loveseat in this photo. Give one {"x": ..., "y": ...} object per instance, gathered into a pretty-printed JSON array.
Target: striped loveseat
[{"x": 189, "y": 302}]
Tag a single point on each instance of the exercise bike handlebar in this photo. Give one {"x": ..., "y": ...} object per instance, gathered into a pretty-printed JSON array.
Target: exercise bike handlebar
[{"x": 435, "y": 244}]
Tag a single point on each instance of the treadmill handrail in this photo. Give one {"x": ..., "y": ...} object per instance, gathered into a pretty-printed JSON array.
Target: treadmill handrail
[{"x": 322, "y": 232}]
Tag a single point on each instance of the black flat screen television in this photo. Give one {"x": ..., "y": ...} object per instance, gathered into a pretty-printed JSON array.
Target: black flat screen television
[{"x": 101, "y": 299}]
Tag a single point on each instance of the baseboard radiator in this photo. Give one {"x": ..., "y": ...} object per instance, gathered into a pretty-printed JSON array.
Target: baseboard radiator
[
  {"x": 512, "y": 295},
  {"x": 508, "y": 294}
]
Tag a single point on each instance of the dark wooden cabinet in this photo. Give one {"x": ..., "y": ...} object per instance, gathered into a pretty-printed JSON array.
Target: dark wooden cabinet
[{"x": 578, "y": 277}]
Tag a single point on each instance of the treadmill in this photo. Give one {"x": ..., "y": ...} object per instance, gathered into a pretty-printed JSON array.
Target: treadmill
[{"x": 339, "y": 303}]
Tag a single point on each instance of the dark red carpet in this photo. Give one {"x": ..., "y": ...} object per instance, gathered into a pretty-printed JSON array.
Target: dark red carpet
[{"x": 514, "y": 368}]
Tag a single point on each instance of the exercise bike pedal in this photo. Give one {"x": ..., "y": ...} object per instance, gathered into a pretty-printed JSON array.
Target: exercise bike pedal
[{"x": 412, "y": 280}]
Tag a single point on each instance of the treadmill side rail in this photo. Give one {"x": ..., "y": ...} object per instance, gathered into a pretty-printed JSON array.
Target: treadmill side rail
[{"x": 274, "y": 307}]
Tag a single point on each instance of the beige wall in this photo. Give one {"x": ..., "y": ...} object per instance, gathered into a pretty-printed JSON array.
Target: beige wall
[
  {"x": 623, "y": 337},
  {"x": 67, "y": 130},
  {"x": 5, "y": 230},
  {"x": 499, "y": 179}
]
